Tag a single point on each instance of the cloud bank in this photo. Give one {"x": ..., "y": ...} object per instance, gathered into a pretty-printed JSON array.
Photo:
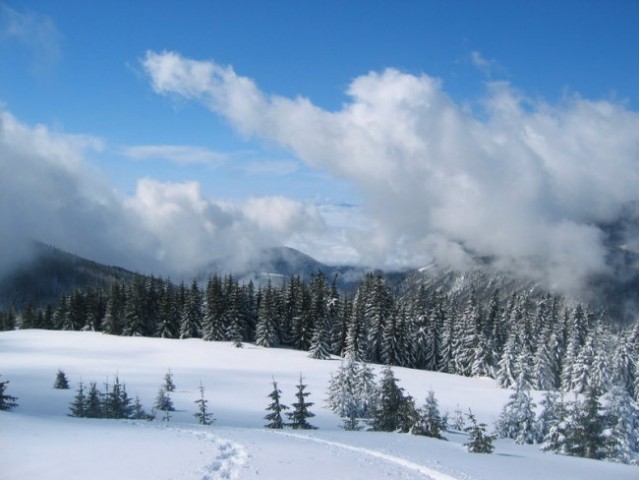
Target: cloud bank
[
  {"x": 49, "y": 193},
  {"x": 520, "y": 180}
]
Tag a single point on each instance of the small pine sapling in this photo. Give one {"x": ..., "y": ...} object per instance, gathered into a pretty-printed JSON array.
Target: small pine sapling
[
  {"x": 300, "y": 412},
  {"x": 275, "y": 409},
  {"x": 169, "y": 386},
  {"x": 78, "y": 407},
  {"x": 429, "y": 422},
  {"x": 458, "y": 422},
  {"x": 163, "y": 401},
  {"x": 7, "y": 402},
  {"x": 94, "y": 407},
  {"x": 61, "y": 381},
  {"x": 479, "y": 441},
  {"x": 204, "y": 417}
]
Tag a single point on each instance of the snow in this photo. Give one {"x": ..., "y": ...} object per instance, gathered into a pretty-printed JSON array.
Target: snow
[{"x": 38, "y": 440}]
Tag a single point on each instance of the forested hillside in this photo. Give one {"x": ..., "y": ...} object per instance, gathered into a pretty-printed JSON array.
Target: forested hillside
[
  {"x": 525, "y": 336},
  {"x": 50, "y": 272}
]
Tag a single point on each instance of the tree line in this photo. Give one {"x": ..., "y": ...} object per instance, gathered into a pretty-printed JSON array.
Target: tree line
[{"x": 543, "y": 341}]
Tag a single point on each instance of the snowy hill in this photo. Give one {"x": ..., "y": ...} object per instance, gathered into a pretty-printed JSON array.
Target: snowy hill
[
  {"x": 38, "y": 440},
  {"x": 278, "y": 263},
  {"x": 49, "y": 272}
]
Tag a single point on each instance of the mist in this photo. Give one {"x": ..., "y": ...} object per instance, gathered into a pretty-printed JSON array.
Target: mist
[
  {"x": 50, "y": 193},
  {"x": 519, "y": 180}
]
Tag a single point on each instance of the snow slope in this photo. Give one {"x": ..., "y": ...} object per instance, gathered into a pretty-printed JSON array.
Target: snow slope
[{"x": 39, "y": 441}]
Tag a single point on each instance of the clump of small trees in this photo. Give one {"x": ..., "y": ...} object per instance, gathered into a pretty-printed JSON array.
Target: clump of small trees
[{"x": 298, "y": 415}]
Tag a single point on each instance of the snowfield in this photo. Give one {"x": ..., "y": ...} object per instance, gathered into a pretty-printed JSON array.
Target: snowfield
[{"x": 39, "y": 441}]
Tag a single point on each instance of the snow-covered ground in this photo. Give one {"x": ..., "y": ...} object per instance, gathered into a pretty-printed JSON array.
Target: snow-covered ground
[{"x": 39, "y": 441}]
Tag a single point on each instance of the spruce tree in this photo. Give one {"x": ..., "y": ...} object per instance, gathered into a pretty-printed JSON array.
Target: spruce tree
[
  {"x": 275, "y": 409},
  {"x": 78, "y": 407},
  {"x": 622, "y": 418},
  {"x": 266, "y": 334},
  {"x": 517, "y": 418},
  {"x": 552, "y": 412},
  {"x": 61, "y": 381},
  {"x": 429, "y": 422},
  {"x": 7, "y": 402},
  {"x": 163, "y": 401},
  {"x": 407, "y": 415},
  {"x": 586, "y": 435},
  {"x": 204, "y": 417},
  {"x": 191, "y": 317},
  {"x": 168, "y": 320},
  {"x": 169, "y": 386},
  {"x": 479, "y": 441},
  {"x": 300, "y": 414},
  {"x": 351, "y": 392},
  {"x": 117, "y": 403},
  {"x": 389, "y": 402},
  {"x": 94, "y": 407}
]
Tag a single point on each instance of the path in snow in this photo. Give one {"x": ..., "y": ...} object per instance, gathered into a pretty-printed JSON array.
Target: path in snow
[
  {"x": 229, "y": 461},
  {"x": 424, "y": 470}
]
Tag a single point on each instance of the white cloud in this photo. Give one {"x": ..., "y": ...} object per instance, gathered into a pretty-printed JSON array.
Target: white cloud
[
  {"x": 270, "y": 167},
  {"x": 48, "y": 193},
  {"x": 487, "y": 66},
  {"x": 35, "y": 31},
  {"x": 525, "y": 182},
  {"x": 178, "y": 154}
]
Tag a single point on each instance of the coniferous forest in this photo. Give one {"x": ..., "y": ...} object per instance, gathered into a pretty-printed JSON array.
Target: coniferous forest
[{"x": 534, "y": 341}]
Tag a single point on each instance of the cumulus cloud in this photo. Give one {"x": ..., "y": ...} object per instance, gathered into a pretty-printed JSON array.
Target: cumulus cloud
[
  {"x": 49, "y": 193},
  {"x": 179, "y": 154},
  {"x": 522, "y": 181}
]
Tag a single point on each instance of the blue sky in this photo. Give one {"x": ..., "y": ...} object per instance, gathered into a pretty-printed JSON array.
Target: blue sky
[{"x": 94, "y": 76}]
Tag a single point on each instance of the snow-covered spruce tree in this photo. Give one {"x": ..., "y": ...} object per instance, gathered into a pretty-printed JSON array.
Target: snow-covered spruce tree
[
  {"x": 351, "y": 392},
  {"x": 204, "y": 417},
  {"x": 61, "y": 381},
  {"x": 558, "y": 428},
  {"x": 94, "y": 408},
  {"x": 300, "y": 414},
  {"x": 133, "y": 325},
  {"x": 163, "y": 401},
  {"x": 320, "y": 319},
  {"x": 479, "y": 441},
  {"x": 385, "y": 415},
  {"x": 112, "y": 321},
  {"x": 507, "y": 365},
  {"x": 517, "y": 418},
  {"x": 191, "y": 315},
  {"x": 7, "y": 402},
  {"x": 623, "y": 366},
  {"x": 169, "y": 386},
  {"x": 117, "y": 403},
  {"x": 168, "y": 319},
  {"x": 429, "y": 422},
  {"x": 266, "y": 334},
  {"x": 553, "y": 411},
  {"x": 78, "y": 407},
  {"x": 343, "y": 395},
  {"x": 235, "y": 320},
  {"x": 622, "y": 419},
  {"x": 275, "y": 409},
  {"x": 587, "y": 437},
  {"x": 546, "y": 364},
  {"x": 407, "y": 415},
  {"x": 581, "y": 432}
]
